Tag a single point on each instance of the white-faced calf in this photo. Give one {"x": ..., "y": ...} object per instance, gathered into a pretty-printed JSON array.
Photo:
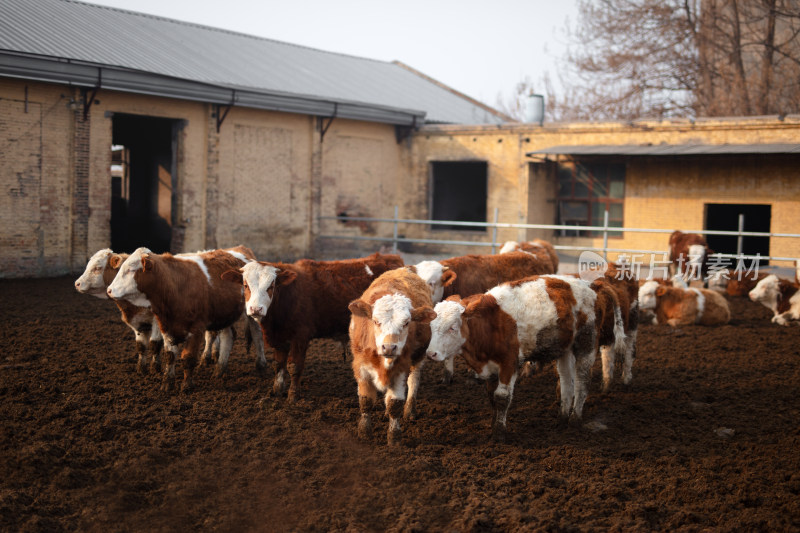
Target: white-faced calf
[
  {"x": 779, "y": 295},
  {"x": 295, "y": 303},
  {"x": 541, "y": 319},
  {"x": 389, "y": 332}
]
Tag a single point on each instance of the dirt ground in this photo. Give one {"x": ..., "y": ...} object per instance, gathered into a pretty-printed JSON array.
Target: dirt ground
[{"x": 706, "y": 437}]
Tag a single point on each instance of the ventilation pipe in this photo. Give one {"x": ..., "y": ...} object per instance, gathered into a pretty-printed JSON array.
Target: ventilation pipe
[{"x": 534, "y": 108}]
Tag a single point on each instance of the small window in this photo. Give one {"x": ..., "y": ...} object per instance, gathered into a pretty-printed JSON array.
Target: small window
[
  {"x": 459, "y": 191},
  {"x": 585, "y": 192}
]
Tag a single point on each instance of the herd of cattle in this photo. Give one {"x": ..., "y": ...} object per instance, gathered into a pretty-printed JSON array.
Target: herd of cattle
[{"x": 505, "y": 314}]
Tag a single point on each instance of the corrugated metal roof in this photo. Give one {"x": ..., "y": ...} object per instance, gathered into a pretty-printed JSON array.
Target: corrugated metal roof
[
  {"x": 668, "y": 149},
  {"x": 43, "y": 39}
]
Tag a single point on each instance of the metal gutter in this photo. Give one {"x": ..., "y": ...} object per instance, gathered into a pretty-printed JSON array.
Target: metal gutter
[{"x": 60, "y": 70}]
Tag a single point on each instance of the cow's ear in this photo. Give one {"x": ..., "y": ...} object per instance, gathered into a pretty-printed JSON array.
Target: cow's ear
[
  {"x": 285, "y": 277},
  {"x": 115, "y": 261},
  {"x": 147, "y": 262},
  {"x": 454, "y": 298},
  {"x": 412, "y": 268},
  {"x": 360, "y": 308},
  {"x": 232, "y": 275},
  {"x": 661, "y": 290},
  {"x": 448, "y": 277},
  {"x": 478, "y": 305},
  {"x": 423, "y": 314}
]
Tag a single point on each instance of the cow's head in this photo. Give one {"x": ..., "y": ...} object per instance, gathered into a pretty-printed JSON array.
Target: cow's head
[
  {"x": 767, "y": 292},
  {"x": 437, "y": 276},
  {"x": 125, "y": 285},
  {"x": 260, "y": 281},
  {"x": 447, "y": 337},
  {"x": 93, "y": 280},
  {"x": 391, "y": 317},
  {"x": 647, "y": 295}
]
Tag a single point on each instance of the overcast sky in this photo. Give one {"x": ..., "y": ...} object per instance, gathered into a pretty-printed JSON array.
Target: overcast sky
[{"x": 482, "y": 48}]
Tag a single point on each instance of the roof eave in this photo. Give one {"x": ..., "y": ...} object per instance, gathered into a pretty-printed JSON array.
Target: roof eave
[{"x": 82, "y": 74}]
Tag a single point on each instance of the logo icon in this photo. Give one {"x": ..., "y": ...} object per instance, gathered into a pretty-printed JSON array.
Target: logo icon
[{"x": 591, "y": 266}]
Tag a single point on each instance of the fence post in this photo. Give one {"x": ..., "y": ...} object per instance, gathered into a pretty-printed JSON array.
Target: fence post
[
  {"x": 739, "y": 238},
  {"x": 605, "y": 235},
  {"x": 494, "y": 231},
  {"x": 394, "y": 232}
]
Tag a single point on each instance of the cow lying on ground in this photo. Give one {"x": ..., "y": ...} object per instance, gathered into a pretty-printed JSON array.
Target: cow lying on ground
[
  {"x": 295, "y": 303},
  {"x": 474, "y": 274},
  {"x": 779, "y": 295},
  {"x": 95, "y": 280},
  {"x": 539, "y": 248},
  {"x": 188, "y": 297},
  {"x": 624, "y": 297},
  {"x": 737, "y": 283},
  {"x": 540, "y": 318},
  {"x": 683, "y": 307},
  {"x": 389, "y": 332},
  {"x": 689, "y": 253}
]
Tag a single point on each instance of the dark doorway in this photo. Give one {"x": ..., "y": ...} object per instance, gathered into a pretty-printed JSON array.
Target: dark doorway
[
  {"x": 142, "y": 182},
  {"x": 725, "y": 217},
  {"x": 459, "y": 191}
]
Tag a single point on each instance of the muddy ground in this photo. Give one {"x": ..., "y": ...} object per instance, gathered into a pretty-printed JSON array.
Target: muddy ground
[{"x": 707, "y": 436}]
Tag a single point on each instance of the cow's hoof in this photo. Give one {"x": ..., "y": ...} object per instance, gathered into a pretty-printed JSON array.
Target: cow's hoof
[
  {"x": 447, "y": 379},
  {"x": 141, "y": 369},
  {"x": 498, "y": 433},
  {"x": 410, "y": 414},
  {"x": 261, "y": 369},
  {"x": 155, "y": 367},
  {"x": 167, "y": 385},
  {"x": 293, "y": 395},
  {"x": 219, "y": 372},
  {"x": 364, "y": 428},
  {"x": 394, "y": 437},
  {"x": 187, "y": 386}
]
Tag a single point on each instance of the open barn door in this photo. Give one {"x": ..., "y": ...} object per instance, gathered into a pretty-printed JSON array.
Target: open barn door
[
  {"x": 143, "y": 179},
  {"x": 725, "y": 217}
]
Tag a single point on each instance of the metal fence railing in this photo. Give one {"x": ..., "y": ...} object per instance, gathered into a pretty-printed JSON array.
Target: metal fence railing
[{"x": 493, "y": 244}]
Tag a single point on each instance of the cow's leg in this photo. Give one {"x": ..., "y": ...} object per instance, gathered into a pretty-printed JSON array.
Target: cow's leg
[
  {"x": 584, "y": 360},
  {"x": 225, "y": 338},
  {"x": 630, "y": 355},
  {"x": 501, "y": 401},
  {"x": 141, "y": 351},
  {"x": 491, "y": 386},
  {"x": 281, "y": 374},
  {"x": 208, "y": 356},
  {"x": 170, "y": 356},
  {"x": 298, "y": 356},
  {"x": 366, "y": 400},
  {"x": 607, "y": 356},
  {"x": 254, "y": 327},
  {"x": 447, "y": 375},
  {"x": 410, "y": 410},
  {"x": 156, "y": 345},
  {"x": 395, "y": 398},
  {"x": 566, "y": 379},
  {"x": 191, "y": 348}
]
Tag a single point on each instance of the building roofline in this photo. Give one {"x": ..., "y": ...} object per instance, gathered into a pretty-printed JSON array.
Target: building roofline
[{"x": 101, "y": 76}]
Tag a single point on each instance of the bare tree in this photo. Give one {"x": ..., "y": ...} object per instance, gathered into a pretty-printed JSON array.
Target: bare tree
[{"x": 630, "y": 59}]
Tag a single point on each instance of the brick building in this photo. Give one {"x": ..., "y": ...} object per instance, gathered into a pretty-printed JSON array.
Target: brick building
[{"x": 182, "y": 137}]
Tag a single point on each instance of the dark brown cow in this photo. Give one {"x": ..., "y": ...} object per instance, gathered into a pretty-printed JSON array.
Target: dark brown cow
[
  {"x": 474, "y": 274},
  {"x": 689, "y": 253},
  {"x": 298, "y": 302},
  {"x": 187, "y": 297},
  {"x": 388, "y": 336}
]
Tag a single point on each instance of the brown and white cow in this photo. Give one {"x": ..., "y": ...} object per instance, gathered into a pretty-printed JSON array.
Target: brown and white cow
[
  {"x": 96, "y": 278},
  {"x": 779, "y": 295},
  {"x": 689, "y": 253},
  {"x": 389, "y": 332},
  {"x": 737, "y": 283},
  {"x": 188, "y": 297},
  {"x": 297, "y": 302},
  {"x": 537, "y": 247},
  {"x": 683, "y": 307},
  {"x": 474, "y": 274},
  {"x": 617, "y": 306},
  {"x": 540, "y": 318}
]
